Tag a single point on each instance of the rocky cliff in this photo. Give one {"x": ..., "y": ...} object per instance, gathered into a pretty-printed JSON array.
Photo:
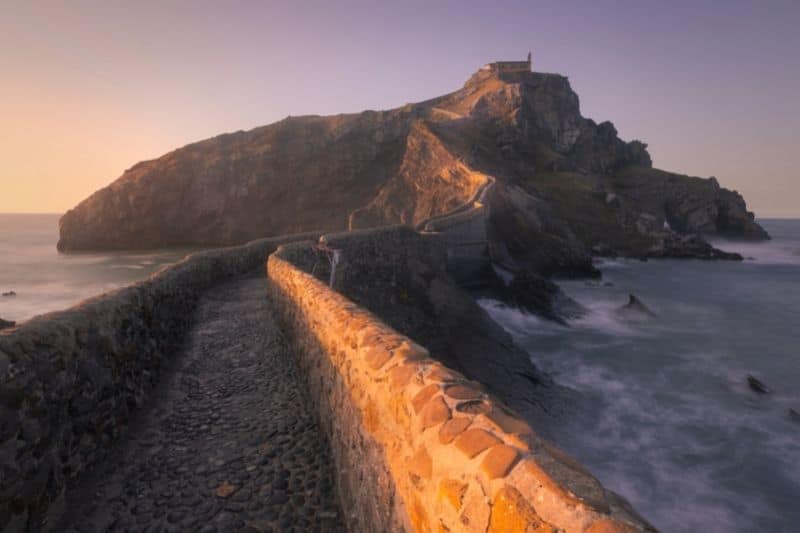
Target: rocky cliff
[{"x": 565, "y": 184}]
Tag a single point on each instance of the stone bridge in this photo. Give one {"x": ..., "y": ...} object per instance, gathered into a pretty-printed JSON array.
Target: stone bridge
[
  {"x": 213, "y": 398},
  {"x": 464, "y": 232}
]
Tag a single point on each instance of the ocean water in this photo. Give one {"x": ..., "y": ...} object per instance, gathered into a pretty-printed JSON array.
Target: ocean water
[
  {"x": 45, "y": 280},
  {"x": 668, "y": 419}
]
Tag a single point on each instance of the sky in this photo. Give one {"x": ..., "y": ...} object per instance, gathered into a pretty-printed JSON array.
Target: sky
[{"x": 88, "y": 88}]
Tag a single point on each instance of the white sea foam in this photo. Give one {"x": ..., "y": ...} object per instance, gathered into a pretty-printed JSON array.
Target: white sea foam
[
  {"x": 517, "y": 322},
  {"x": 601, "y": 316},
  {"x": 636, "y": 448},
  {"x": 605, "y": 316},
  {"x": 608, "y": 263}
]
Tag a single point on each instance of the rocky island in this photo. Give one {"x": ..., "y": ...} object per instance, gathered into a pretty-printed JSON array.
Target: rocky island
[
  {"x": 565, "y": 186},
  {"x": 361, "y": 336}
]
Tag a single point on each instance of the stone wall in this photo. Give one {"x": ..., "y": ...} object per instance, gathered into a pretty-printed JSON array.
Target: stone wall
[
  {"x": 417, "y": 446},
  {"x": 69, "y": 380}
]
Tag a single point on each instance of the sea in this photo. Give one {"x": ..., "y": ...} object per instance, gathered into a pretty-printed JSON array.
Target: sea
[
  {"x": 44, "y": 280},
  {"x": 666, "y": 418}
]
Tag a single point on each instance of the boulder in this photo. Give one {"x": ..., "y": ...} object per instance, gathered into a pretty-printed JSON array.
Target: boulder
[
  {"x": 534, "y": 294},
  {"x": 7, "y": 324},
  {"x": 757, "y": 385}
]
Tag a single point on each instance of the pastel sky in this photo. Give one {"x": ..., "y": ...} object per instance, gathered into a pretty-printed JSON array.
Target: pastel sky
[{"x": 88, "y": 88}]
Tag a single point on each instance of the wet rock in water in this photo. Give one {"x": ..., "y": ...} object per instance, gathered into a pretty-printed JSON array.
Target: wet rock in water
[
  {"x": 691, "y": 246},
  {"x": 9, "y": 293},
  {"x": 7, "y": 324},
  {"x": 635, "y": 306},
  {"x": 757, "y": 385},
  {"x": 533, "y": 293},
  {"x": 794, "y": 415}
]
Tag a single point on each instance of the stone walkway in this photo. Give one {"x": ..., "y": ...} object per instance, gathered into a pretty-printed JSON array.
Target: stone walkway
[{"x": 228, "y": 442}]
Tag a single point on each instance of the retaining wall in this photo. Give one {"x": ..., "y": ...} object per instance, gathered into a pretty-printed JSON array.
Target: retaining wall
[
  {"x": 417, "y": 446},
  {"x": 69, "y": 380},
  {"x": 465, "y": 237}
]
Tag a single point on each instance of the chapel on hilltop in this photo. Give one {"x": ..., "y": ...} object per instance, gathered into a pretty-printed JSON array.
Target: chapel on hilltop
[{"x": 507, "y": 67}]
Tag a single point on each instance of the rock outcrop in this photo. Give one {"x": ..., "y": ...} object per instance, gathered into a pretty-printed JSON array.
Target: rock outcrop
[
  {"x": 534, "y": 294},
  {"x": 636, "y": 308},
  {"x": 565, "y": 183},
  {"x": 757, "y": 385},
  {"x": 689, "y": 247}
]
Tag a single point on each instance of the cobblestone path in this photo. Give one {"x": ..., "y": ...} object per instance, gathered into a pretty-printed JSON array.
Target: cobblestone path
[{"x": 228, "y": 442}]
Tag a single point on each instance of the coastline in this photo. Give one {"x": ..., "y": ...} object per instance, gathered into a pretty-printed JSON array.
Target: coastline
[
  {"x": 665, "y": 413},
  {"x": 45, "y": 280}
]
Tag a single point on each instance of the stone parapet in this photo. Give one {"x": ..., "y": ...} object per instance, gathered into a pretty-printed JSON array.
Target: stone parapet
[
  {"x": 417, "y": 446},
  {"x": 69, "y": 380},
  {"x": 475, "y": 206},
  {"x": 476, "y": 211}
]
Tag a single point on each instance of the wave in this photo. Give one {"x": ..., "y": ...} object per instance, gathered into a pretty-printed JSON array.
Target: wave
[
  {"x": 518, "y": 323},
  {"x": 602, "y": 316},
  {"x": 606, "y": 263}
]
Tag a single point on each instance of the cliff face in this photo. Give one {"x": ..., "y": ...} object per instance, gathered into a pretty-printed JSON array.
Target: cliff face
[{"x": 565, "y": 183}]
